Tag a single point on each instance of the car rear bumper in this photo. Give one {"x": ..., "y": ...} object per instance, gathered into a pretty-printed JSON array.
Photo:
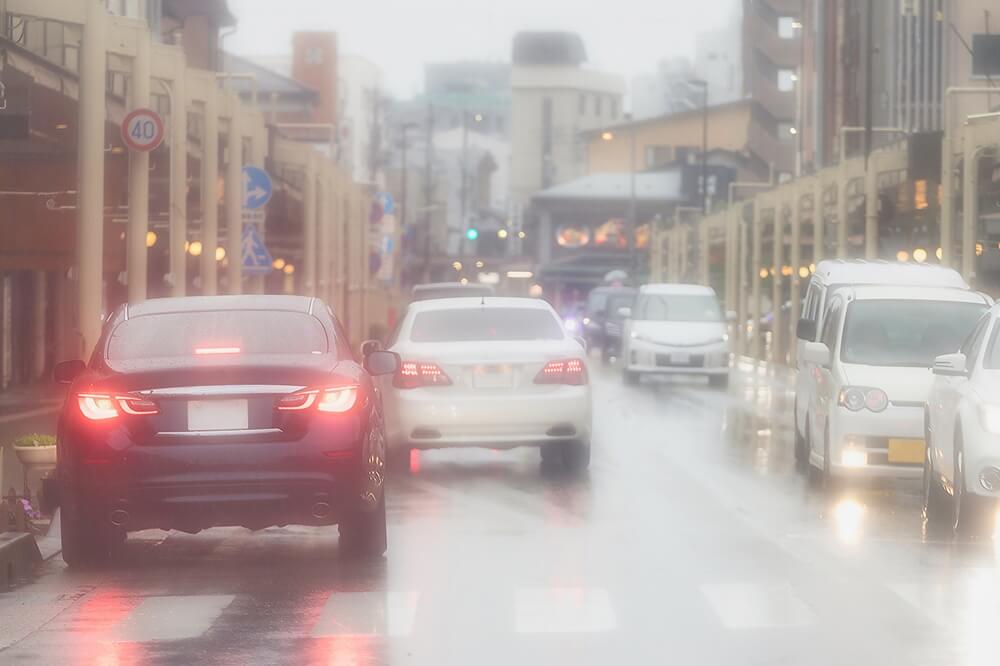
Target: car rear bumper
[{"x": 422, "y": 419}]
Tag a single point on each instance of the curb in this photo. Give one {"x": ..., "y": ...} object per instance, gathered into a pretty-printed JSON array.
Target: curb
[{"x": 18, "y": 556}]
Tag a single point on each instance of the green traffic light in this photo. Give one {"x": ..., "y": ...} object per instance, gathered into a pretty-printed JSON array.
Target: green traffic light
[{"x": 472, "y": 234}]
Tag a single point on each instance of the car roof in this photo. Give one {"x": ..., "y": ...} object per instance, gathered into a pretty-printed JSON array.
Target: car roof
[
  {"x": 457, "y": 286},
  {"x": 917, "y": 293},
  {"x": 859, "y": 271},
  {"x": 678, "y": 288},
  {"x": 215, "y": 303},
  {"x": 470, "y": 302}
]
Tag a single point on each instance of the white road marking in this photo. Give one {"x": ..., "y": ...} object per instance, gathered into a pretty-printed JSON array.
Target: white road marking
[
  {"x": 171, "y": 618},
  {"x": 41, "y": 411},
  {"x": 370, "y": 613},
  {"x": 757, "y": 605},
  {"x": 563, "y": 610}
]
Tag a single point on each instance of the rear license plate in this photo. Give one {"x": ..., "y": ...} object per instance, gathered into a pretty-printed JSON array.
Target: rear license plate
[
  {"x": 217, "y": 415},
  {"x": 492, "y": 376},
  {"x": 680, "y": 359},
  {"x": 906, "y": 450}
]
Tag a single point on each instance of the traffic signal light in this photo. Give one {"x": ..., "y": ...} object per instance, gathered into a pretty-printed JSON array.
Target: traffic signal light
[{"x": 472, "y": 233}]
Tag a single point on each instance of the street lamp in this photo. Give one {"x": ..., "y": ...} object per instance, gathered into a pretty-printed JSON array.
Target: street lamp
[{"x": 703, "y": 84}]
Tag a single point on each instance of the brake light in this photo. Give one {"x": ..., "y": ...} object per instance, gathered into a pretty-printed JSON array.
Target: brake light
[
  {"x": 209, "y": 351},
  {"x": 336, "y": 400},
  {"x": 414, "y": 374},
  {"x": 104, "y": 406},
  {"x": 566, "y": 371}
]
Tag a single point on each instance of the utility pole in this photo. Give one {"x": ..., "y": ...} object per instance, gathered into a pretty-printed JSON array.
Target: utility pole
[
  {"x": 428, "y": 190},
  {"x": 464, "y": 185}
]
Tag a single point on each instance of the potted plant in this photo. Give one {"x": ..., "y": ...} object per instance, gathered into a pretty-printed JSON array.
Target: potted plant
[{"x": 36, "y": 451}]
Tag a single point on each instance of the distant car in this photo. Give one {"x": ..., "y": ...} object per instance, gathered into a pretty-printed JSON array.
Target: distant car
[
  {"x": 676, "y": 329},
  {"x": 225, "y": 410},
  {"x": 497, "y": 373},
  {"x": 871, "y": 376},
  {"x": 432, "y": 290},
  {"x": 962, "y": 458},
  {"x": 618, "y": 304}
]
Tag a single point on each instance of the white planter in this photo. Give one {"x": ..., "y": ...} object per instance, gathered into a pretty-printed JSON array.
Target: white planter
[{"x": 37, "y": 457}]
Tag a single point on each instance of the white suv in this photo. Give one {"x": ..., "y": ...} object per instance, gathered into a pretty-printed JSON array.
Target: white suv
[{"x": 871, "y": 376}]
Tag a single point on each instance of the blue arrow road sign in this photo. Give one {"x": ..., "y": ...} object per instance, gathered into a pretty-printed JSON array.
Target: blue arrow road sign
[
  {"x": 385, "y": 200},
  {"x": 257, "y": 187},
  {"x": 256, "y": 259}
]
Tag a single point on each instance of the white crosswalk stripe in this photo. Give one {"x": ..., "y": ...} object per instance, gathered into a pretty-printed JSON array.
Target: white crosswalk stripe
[
  {"x": 372, "y": 613},
  {"x": 757, "y": 605},
  {"x": 563, "y": 610},
  {"x": 172, "y": 618}
]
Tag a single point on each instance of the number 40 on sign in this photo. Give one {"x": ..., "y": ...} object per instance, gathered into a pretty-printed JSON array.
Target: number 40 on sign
[{"x": 142, "y": 130}]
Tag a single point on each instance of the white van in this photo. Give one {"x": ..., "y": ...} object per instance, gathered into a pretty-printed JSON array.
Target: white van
[
  {"x": 678, "y": 329},
  {"x": 831, "y": 275}
]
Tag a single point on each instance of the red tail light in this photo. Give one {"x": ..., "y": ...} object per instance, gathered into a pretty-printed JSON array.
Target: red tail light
[
  {"x": 414, "y": 374},
  {"x": 104, "y": 406},
  {"x": 335, "y": 399},
  {"x": 570, "y": 371}
]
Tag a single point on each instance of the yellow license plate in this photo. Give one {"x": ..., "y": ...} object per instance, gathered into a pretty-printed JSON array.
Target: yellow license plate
[{"x": 906, "y": 450}]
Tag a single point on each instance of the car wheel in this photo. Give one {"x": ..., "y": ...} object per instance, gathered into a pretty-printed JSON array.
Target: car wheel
[
  {"x": 718, "y": 381},
  {"x": 938, "y": 512},
  {"x": 631, "y": 377},
  {"x": 86, "y": 541},
  {"x": 974, "y": 515},
  {"x": 363, "y": 532},
  {"x": 576, "y": 455}
]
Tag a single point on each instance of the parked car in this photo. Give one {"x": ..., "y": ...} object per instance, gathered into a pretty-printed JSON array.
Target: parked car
[
  {"x": 432, "y": 290},
  {"x": 676, "y": 329},
  {"x": 224, "y": 410},
  {"x": 871, "y": 376}
]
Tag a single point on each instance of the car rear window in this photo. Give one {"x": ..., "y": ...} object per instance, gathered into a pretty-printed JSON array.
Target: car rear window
[
  {"x": 180, "y": 334},
  {"x": 470, "y": 324}
]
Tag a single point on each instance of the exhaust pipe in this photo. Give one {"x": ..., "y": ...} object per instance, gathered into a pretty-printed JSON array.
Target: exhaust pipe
[
  {"x": 320, "y": 510},
  {"x": 119, "y": 517}
]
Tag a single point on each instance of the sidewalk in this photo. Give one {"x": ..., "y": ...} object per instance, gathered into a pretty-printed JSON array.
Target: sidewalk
[{"x": 25, "y": 400}]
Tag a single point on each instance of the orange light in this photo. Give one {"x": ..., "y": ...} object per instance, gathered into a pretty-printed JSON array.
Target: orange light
[{"x": 210, "y": 351}]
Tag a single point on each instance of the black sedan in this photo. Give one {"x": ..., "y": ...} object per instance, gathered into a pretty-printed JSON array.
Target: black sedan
[{"x": 228, "y": 410}]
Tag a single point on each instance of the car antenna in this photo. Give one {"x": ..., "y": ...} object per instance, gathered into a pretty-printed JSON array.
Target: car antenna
[{"x": 482, "y": 300}]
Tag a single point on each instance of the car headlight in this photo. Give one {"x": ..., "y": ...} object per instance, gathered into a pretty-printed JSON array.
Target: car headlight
[
  {"x": 989, "y": 418},
  {"x": 856, "y": 398}
]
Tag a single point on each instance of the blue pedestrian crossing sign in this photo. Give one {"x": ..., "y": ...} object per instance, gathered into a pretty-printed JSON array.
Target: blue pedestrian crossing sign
[
  {"x": 257, "y": 187},
  {"x": 385, "y": 200},
  {"x": 256, "y": 259}
]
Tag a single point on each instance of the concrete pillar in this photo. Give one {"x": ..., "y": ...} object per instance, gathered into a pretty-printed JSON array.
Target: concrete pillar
[
  {"x": 757, "y": 341},
  {"x": 871, "y": 209},
  {"x": 323, "y": 224},
  {"x": 309, "y": 227},
  {"x": 970, "y": 207},
  {"x": 777, "y": 284},
  {"x": 178, "y": 186},
  {"x": 39, "y": 306},
  {"x": 947, "y": 185},
  {"x": 234, "y": 199},
  {"x": 819, "y": 222},
  {"x": 209, "y": 194},
  {"x": 138, "y": 178},
  {"x": 682, "y": 249},
  {"x": 90, "y": 170},
  {"x": 795, "y": 286},
  {"x": 545, "y": 236},
  {"x": 703, "y": 250},
  {"x": 730, "y": 272},
  {"x": 842, "y": 214},
  {"x": 743, "y": 286}
]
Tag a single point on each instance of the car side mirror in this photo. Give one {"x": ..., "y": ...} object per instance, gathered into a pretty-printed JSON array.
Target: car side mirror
[
  {"x": 730, "y": 315},
  {"x": 582, "y": 340},
  {"x": 816, "y": 352},
  {"x": 806, "y": 330},
  {"x": 369, "y": 346},
  {"x": 950, "y": 365},
  {"x": 625, "y": 312},
  {"x": 67, "y": 371},
  {"x": 380, "y": 362}
]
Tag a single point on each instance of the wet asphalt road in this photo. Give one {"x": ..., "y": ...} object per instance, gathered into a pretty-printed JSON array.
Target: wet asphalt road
[{"x": 691, "y": 541}]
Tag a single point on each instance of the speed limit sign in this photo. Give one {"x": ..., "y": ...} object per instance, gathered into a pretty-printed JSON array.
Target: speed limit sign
[{"x": 142, "y": 130}]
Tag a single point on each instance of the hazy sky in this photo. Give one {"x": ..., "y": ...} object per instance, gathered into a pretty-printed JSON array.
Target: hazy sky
[{"x": 624, "y": 36}]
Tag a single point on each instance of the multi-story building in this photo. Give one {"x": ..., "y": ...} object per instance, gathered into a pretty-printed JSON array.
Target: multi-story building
[{"x": 361, "y": 110}]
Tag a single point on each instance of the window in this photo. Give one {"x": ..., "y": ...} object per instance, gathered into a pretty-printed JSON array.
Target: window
[
  {"x": 597, "y": 105},
  {"x": 614, "y": 108},
  {"x": 788, "y": 27},
  {"x": 470, "y": 324},
  {"x": 658, "y": 155},
  {"x": 582, "y": 105},
  {"x": 786, "y": 80},
  {"x": 830, "y": 323},
  {"x": 677, "y": 307},
  {"x": 975, "y": 340}
]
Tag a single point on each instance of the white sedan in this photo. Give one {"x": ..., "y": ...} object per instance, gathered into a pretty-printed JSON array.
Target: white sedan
[
  {"x": 962, "y": 458},
  {"x": 489, "y": 372}
]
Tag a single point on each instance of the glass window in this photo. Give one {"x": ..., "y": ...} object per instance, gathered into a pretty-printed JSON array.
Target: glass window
[
  {"x": 181, "y": 334},
  {"x": 972, "y": 344},
  {"x": 786, "y": 80},
  {"x": 906, "y": 332},
  {"x": 677, "y": 307},
  {"x": 597, "y": 105},
  {"x": 830, "y": 323},
  {"x": 474, "y": 324},
  {"x": 787, "y": 27},
  {"x": 614, "y": 108}
]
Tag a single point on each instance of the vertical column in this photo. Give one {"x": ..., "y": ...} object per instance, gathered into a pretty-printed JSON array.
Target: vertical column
[
  {"x": 209, "y": 203},
  {"x": 323, "y": 232},
  {"x": 778, "y": 283},
  {"x": 871, "y": 208},
  {"x": 682, "y": 248},
  {"x": 138, "y": 178},
  {"x": 756, "y": 341},
  {"x": 256, "y": 158},
  {"x": 842, "y": 214},
  {"x": 729, "y": 260},
  {"x": 970, "y": 208},
  {"x": 704, "y": 237},
  {"x": 39, "y": 305},
  {"x": 309, "y": 226},
  {"x": 947, "y": 189},
  {"x": 178, "y": 184},
  {"x": 819, "y": 221},
  {"x": 743, "y": 286},
  {"x": 795, "y": 259},
  {"x": 339, "y": 252},
  {"x": 234, "y": 199},
  {"x": 90, "y": 170}
]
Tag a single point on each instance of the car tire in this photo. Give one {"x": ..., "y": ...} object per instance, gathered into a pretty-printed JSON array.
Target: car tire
[
  {"x": 938, "y": 511},
  {"x": 576, "y": 455},
  {"x": 363, "y": 532},
  {"x": 631, "y": 377},
  {"x": 86, "y": 542},
  {"x": 974, "y": 515},
  {"x": 718, "y": 381}
]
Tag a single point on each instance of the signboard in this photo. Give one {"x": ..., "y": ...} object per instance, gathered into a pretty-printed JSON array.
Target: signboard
[
  {"x": 142, "y": 130},
  {"x": 256, "y": 259},
  {"x": 257, "y": 187}
]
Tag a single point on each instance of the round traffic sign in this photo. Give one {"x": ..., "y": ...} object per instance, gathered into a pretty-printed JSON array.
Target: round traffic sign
[{"x": 142, "y": 130}]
